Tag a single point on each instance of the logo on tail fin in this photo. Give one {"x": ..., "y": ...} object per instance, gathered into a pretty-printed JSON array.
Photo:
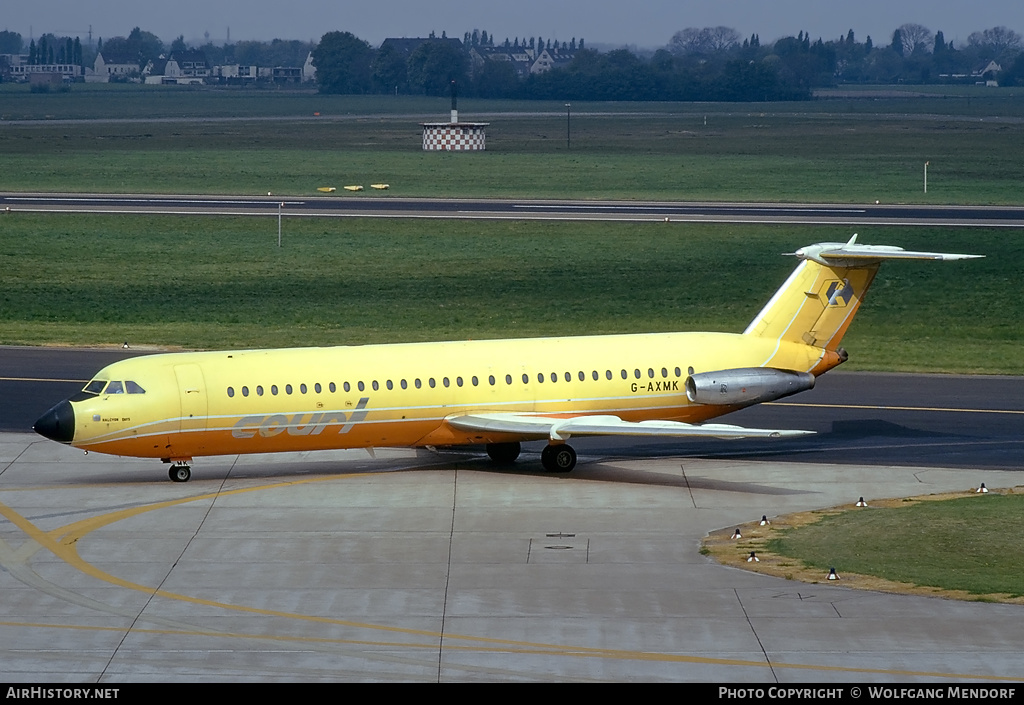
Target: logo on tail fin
[{"x": 839, "y": 293}]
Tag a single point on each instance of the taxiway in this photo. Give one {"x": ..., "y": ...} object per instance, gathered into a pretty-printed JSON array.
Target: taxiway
[{"x": 439, "y": 567}]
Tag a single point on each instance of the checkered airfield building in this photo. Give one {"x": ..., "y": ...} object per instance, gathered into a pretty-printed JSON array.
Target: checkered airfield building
[{"x": 454, "y": 136}]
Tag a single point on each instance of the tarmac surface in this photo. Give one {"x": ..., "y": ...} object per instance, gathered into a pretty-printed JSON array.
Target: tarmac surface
[{"x": 440, "y": 567}]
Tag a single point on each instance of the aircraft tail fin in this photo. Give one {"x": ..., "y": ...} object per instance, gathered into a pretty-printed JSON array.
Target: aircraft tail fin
[{"x": 819, "y": 300}]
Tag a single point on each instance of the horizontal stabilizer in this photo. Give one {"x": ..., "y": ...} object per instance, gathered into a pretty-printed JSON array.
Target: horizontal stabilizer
[
  {"x": 560, "y": 429},
  {"x": 850, "y": 253},
  {"x": 819, "y": 300}
]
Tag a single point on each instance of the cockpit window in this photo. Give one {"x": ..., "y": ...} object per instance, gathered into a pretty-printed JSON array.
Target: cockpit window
[
  {"x": 115, "y": 388},
  {"x": 134, "y": 388},
  {"x": 96, "y": 386}
]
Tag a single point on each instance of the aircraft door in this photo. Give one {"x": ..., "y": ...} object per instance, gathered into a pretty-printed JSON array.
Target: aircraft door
[{"x": 192, "y": 394}]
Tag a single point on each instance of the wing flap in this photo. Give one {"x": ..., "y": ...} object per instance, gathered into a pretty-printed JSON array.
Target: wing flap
[{"x": 560, "y": 429}]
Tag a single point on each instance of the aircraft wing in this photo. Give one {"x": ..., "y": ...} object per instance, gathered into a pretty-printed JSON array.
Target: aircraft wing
[{"x": 560, "y": 429}]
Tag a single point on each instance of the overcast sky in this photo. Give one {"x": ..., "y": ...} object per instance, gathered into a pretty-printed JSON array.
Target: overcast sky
[{"x": 641, "y": 23}]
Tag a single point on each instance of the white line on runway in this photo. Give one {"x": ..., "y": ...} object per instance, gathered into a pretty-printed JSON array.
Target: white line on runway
[{"x": 756, "y": 209}]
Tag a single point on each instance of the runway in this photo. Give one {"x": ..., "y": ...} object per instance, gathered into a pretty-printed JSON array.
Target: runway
[
  {"x": 437, "y": 567},
  {"x": 386, "y": 206}
]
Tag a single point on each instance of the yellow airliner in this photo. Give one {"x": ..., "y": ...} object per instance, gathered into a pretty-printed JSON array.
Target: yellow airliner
[{"x": 496, "y": 393}]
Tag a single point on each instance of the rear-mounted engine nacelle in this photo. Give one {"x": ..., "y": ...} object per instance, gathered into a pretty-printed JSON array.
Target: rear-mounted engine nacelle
[{"x": 746, "y": 385}]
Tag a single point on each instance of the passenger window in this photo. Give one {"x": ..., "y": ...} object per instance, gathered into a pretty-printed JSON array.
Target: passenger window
[
  {"x": 607, "y": 374},
  {"x": 508, "y": 379},
  {"x": 405, "y": 385},
  {"x": 115, "y": 388},
  {"x": 595, "y": 375},
  {"x": 431, "y": 382},
  {"x": 231, "y": 391},
  {"x": 491, "y": 380},
  {"x": 245, "y": 391},
  {"x": 259, "y": 390},
  {"x": 287, "y": 389},
  {"x": 582, "y": 376},
  {"x": 375, "y": 385},
  {"x": 664, "y": 372},
  {"x": 445, "y": 382},
  {"x": 317, "y": 387},
  {"x": 526, "y": 378},
  {"x": 361, "y": 386},
  {"x": 333, "y": 387},
  {"x": 475, "y": 381},
  {"x": 389, "y": 384},
  {"x": 554, "y": 376},
  {"x": 273, "y": 389},
  {"x": 540, "y": 376},
  {"x": 625, "y": 375},
  {"x": 133, "y": 388},
  {"x": 418, "y": 383},
  {"x": 458, "y": 381},
  {"x": 650, "y": 372}
]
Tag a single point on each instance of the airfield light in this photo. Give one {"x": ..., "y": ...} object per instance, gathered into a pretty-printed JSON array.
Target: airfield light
[
  {"x": 568, "y": 126},
  {"x": 926, "y": 177},
  {"x": 279, "y": 207}
]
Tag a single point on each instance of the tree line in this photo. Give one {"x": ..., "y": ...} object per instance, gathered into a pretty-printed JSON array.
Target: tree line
[
  {"x": 142, "y": 47},
  {"x": 710, "y": 63}
]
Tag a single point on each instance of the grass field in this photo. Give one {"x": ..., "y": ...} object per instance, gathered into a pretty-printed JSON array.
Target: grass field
[
  {"x": 850, "y": 150},
  {"x": 954, "y": 545},
  {"x": 969, "y": 544},
  {"x": 218, "y": 282},
  {"x": 213, "y": 282}
]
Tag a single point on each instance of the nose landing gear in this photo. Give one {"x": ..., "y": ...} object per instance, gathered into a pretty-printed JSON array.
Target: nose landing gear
[{"x": 180, "y": 471}]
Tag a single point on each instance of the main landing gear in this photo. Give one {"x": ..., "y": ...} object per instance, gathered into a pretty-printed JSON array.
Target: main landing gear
[
  {"x": 179, "y": 472},
  {"x": 558, "y": 457}
]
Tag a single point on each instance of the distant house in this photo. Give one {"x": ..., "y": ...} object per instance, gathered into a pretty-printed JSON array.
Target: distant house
[
  {"x": 521, "y": 58},
  {"x": 552, "y": 58},
  {"x": 237, "y": 74},
  {"x": 41, "y": 73},
  {"x": 114, "y": 67},
  {"x": 987, "y": 74},
  {"x": 286, "y": 74},
  {"x": 189, "y": 64}
]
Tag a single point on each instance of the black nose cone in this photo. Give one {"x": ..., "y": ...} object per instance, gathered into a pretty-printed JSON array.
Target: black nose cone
[{"x": 57, "y": 424}]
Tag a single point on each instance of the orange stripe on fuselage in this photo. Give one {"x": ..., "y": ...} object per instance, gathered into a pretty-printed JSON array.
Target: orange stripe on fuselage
[{"x": 363, "y": 434}]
